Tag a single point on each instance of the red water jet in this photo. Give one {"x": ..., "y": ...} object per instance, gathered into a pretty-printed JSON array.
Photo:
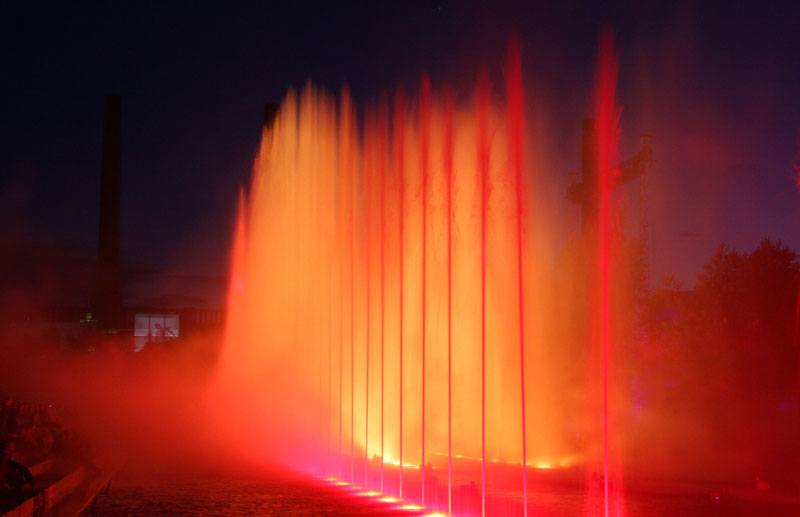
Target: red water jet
[
  {"x": 448, "y": 171},
  {"x": 368, "y": 171},
  {"x": 382, "y": 123},
  {"x": 607, "y": 118},
  {"x": 515, "y": 132}
]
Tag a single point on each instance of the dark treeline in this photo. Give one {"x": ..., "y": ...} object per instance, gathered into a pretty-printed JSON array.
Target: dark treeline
[{"x": 716, "y": 369}]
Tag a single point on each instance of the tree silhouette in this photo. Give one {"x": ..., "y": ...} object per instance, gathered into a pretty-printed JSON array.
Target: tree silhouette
[{"x": 724, "y": 357}]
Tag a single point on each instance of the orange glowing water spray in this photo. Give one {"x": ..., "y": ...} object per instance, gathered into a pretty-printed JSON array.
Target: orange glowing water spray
[
  {"x": 331, "y": 338},
  {"x": 345, "y": 120},
  {"x": 483, "y": 172},
  {"x": 330, "y": 348},
  {"x": 515, "y": 131},
  {"x": 424, "y": 122},
  {"x": 399, "y": 130},
  {"x": 448, "y": 170},
  {"x": 382, "y": 120},
  {"x": 351, "y": 227},
  {"x": 368, "y": 171},
  {"x": 341, "y": 370},
  {"x": 358, "y": 162}
]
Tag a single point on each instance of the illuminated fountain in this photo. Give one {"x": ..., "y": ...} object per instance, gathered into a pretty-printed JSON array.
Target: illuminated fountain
[{"x": 395, "y": 320}]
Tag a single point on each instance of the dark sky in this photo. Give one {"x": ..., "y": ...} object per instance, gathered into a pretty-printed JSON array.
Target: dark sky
[{"x": 718, "y": 87}]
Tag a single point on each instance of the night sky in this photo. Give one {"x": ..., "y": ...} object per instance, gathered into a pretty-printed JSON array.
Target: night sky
[{"x": 717, "y": 86}]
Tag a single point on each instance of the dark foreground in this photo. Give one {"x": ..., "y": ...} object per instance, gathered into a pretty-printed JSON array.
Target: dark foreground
[{"x": 216, "y": 494}]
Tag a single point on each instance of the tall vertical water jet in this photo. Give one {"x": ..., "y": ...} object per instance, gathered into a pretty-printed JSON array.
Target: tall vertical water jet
[
  {"x": 382, "y": 153},
  {"x": 607, "y": 134},
  {"x": 329, "y": 405},
  {"x": 348, "y": 136},
  {"x": 483, "y": 174},
  {"x": 448, "y": 172},
  {"x": 424, "y": 123},
  {"x": 368, "y": 172},
  {"x": 345, "y": 166},
  {"x": 515, "y": 131},
  {"x": 399, "y": 150}
]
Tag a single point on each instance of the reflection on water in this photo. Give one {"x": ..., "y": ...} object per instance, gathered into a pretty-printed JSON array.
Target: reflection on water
[
  {"x": 227, "y": 494},
  {"x": 252, "y": 494}
]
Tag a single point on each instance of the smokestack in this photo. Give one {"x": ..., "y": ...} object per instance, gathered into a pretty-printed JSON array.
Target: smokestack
[
  {"x": 270, "y": 112},
  {"x": 107, "y": 298}
]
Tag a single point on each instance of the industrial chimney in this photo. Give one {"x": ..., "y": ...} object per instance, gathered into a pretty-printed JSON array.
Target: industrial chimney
[{"x": 106, "y": 303}]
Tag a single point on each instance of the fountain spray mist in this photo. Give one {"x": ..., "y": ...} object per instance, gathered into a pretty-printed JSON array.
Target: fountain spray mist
[{"x": 432, "y": 258}]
